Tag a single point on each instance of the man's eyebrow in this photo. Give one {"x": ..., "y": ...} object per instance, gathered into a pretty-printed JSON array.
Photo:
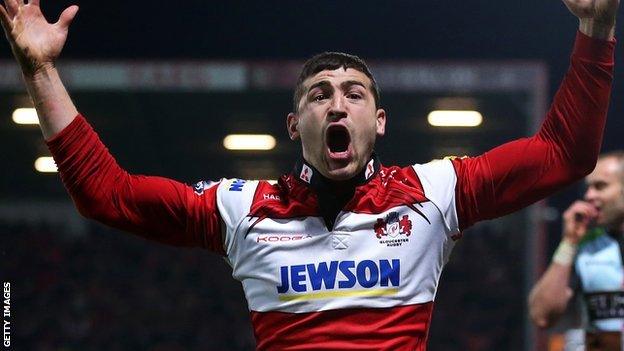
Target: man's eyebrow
[
  {"x": 344, "y": 85},
  {"x": 319, "y": 84},
  {"x": 349, "y": 83}
]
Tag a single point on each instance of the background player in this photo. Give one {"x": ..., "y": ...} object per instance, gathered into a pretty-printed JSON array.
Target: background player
[{"x": 587, "y": 266}]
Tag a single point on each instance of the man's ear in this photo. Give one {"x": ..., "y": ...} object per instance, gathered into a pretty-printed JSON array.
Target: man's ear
[
  {"x": 292, "y": 124},
  {"x": 381, "y": 122}
]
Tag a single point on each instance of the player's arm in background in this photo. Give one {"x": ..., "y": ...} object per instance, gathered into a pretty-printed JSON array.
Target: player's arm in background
[
  {"x": 566, "y": 147},
  {"x": 551, "y": 294},
  {"x": 157, "y": 208}
]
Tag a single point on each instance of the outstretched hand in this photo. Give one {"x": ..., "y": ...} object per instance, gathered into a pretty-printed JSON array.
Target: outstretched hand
[
  {"x": 597, "y": 17},
  {"x": 35, "y": 42},
  {"x": 603, "y": 11}
]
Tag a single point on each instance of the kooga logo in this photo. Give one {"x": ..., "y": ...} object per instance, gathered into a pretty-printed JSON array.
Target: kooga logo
[{"x": 366, "y": 274}]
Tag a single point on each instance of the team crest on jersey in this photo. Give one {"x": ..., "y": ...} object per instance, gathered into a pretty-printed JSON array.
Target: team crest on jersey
[{"x": 393, "y": 231}]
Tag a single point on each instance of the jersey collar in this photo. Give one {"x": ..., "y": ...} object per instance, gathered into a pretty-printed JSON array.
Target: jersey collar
[{"x": 309, "y": 175}]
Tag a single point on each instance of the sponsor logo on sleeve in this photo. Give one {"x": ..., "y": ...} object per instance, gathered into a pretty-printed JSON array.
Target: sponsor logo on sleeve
[
  {"x": 202, "y": 186},
  {"x": 306, "y": 173},
  {"x": 237, "y": 185},
  {"x": 271, "y": 197}
]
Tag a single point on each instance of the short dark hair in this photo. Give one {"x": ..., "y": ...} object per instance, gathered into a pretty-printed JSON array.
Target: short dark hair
[
  {"x": 332, "y": 61},
  {"x": 618, "y": 155}
]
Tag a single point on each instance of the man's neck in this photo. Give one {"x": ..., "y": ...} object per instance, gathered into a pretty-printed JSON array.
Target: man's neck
[
  {"x": 617, "y": 230},
  {"x": 334, "y": 195},
  {"x": 309, "y": 174}
]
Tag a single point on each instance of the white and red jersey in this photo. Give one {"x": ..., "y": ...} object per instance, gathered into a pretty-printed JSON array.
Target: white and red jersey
[
  {"x": 321, "y": 270},
  {"x": 323, "y": 285}
]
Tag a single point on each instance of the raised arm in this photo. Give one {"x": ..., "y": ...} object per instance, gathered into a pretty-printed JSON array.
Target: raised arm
[
  {"x": 156, "y": 208},
  {"x": 566, "y": 147},
  {"x": 36, "y": 45}
]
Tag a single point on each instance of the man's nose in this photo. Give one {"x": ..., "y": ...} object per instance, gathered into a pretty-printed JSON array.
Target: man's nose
[
  {"x": 590, "y": 194},
  {"x": 337, "y": 109}
]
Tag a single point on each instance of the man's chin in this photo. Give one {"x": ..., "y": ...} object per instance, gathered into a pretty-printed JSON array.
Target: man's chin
[
  {"x": 342, "y": 172},
  {"x": 610, "y": 224},
  {"x": 601, "y": 220}
]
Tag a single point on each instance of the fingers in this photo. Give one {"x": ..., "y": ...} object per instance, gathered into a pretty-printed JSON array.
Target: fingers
[
  {"x": 5, "y": 20},
  {"x": 577, "y": 219},
  {"x": 67, "y": 16},
  {"x": 580, "y": 211},
  {"x": 12, "y": 7},
  {"x": 577, "y": 3}
]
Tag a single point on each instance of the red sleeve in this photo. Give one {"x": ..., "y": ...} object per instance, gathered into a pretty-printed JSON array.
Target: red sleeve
[
  {"x": 565, "y": 149},
  {"x": 153, "y": 207}
]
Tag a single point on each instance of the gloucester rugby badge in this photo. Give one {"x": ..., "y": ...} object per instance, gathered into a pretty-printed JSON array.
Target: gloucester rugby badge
[{"x": 393, "y": 229}]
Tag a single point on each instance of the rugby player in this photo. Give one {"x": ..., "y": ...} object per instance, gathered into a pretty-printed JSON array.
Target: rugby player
[
  {"x": 343, "y": 252},
  {"x": 584, "y": 280}
]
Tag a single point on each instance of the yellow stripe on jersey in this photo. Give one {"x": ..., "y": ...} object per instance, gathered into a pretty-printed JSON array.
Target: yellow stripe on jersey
[{"x": 337, "y": 294}]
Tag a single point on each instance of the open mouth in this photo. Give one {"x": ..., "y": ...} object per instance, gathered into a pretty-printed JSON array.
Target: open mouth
[{"x": 338, "y": 139}]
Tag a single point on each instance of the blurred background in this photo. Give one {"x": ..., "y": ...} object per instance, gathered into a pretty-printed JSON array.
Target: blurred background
[{"x": 165, "y": 85}]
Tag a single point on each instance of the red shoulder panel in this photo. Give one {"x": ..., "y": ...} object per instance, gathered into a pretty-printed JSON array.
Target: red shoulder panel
[
  {"x": 286, "y": 199},
  {"x": 391, "y": 187}
]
